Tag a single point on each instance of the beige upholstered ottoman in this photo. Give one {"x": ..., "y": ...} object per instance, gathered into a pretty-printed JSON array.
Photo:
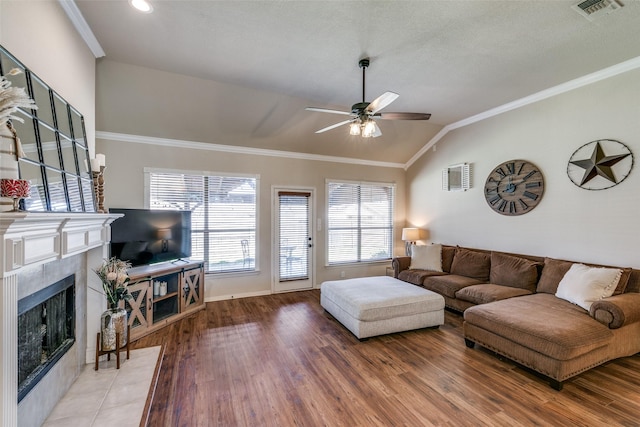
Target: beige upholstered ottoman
[{"x": 371, "y": 306}]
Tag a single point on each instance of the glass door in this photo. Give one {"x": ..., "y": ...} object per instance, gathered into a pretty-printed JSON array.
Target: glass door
[{"x": 293, "y": 240}]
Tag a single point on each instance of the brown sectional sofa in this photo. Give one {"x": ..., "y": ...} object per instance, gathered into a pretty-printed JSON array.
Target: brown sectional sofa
[{"x": 510, "y": 307}]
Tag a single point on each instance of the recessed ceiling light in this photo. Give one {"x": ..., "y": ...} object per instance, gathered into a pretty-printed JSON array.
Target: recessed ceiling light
[{"x": 142, "y": 5}]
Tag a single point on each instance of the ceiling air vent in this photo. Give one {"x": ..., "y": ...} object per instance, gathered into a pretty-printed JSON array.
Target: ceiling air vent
[{"x": 592, "y": 9}]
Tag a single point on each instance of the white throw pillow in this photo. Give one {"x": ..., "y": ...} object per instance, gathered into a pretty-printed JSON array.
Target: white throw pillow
[
  {"x": 583, "y": 285},
  {"x": 426, "y": 257}
]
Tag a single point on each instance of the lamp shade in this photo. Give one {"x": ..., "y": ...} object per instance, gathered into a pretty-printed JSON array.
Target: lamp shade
[
  {"x": 410, "y": 234},
  {"x": 14, "y": 188}
]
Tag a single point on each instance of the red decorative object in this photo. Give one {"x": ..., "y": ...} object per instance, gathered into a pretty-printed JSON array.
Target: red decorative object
[{"x": 15, "y": 188}]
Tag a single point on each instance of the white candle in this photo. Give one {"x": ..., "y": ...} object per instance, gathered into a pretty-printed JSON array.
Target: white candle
[
  {"x": 101, "y": 160},
  {"x": 95, "y": 165}
]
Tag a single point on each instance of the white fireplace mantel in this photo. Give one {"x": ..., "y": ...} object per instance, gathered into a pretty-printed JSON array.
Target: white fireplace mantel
[{"x": 29, "y": 239}]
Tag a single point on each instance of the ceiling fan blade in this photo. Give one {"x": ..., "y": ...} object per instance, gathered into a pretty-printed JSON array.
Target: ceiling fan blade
[
  {"x": 334, "y": 126},
  {"x": 403, "y": 116},
  {"x": 382, "y": 101},
  {"x": 325, "y": 110}
]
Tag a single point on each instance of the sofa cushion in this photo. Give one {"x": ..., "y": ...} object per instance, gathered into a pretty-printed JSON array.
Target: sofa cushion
[
  {"x": 507, "y": 270},
  {"x": 448, "y": 284},
  {"x": 552, "y": 273},
  {"x": 555, "y": 269},
  {"x": 448, "y": 252},
  {"x": 417, "y": 277},
  {"x": 426, "y": 257},
  {"x": 623, "y": 282},
  {"x": 582, "y": 285},
  {"x": 543, "y": 323},
  {"x": 485, "y": 293},
  {"x": 471, "y": 264}
]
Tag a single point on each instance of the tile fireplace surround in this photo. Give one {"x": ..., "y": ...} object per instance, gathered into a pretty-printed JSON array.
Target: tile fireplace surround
[{"x": 38, "y": 249}]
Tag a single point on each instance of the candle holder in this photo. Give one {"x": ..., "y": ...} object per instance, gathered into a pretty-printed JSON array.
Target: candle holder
[
  {"x": 98, "y": 187},
  {"x": 16, "y": 189}
]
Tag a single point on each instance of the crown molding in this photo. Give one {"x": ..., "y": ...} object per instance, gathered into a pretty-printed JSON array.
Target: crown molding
[
  {"x": 167, "y": 142},
  {"x": 71, "y": 9},
  {"x": 586, "y": 80}
]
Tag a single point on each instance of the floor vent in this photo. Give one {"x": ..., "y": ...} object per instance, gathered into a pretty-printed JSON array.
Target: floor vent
[{"x": 593, "y": 9}]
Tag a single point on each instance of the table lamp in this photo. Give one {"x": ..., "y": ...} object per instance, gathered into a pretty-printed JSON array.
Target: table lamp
[{"x": 409, "y": 236}]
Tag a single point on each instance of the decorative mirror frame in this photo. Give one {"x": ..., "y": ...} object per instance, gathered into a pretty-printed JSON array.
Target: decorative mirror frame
[
  {"x": 56, "y": 159},
  {"x": 456, "y": 177}
]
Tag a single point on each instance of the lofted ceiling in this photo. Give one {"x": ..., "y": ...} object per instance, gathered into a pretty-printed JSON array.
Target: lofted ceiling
[{"x": 453, "y": 59}]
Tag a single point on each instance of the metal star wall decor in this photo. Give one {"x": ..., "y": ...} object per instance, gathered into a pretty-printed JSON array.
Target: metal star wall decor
[{"x": 600, "y": 164}]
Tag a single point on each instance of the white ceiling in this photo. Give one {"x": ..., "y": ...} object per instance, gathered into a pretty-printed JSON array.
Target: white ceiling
[{"x": 454, "y": 59}]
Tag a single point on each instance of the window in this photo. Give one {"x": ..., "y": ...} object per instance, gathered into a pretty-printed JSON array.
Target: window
[
  {"x": 223, "y": 219},
  {"x": 359, "y": 222}
]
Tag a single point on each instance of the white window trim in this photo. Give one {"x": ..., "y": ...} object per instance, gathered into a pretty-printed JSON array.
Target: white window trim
[{"x": 147, "y": 171}]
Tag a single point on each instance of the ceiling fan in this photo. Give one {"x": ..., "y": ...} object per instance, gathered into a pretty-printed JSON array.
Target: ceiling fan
[{"x": 363, "y": 113}]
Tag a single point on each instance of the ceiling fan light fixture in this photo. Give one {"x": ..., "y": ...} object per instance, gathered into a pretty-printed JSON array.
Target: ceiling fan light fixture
[
  {"x": 368, "y": 129},
  {"x": 354, "y": 129}
]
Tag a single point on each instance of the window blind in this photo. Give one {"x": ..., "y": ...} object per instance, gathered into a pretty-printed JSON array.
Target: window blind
[
  {"x": 223, "y": 219},
  {"x": 359, "y": 222}
]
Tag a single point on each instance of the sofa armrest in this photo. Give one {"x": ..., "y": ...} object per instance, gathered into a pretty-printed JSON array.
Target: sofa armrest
[
  {"x": 618, "y": 310},
  {"x": 399, "y": 264}
]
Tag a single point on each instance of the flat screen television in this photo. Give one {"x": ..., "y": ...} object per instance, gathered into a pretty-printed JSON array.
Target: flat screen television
[{"x": 144, "y": 236}]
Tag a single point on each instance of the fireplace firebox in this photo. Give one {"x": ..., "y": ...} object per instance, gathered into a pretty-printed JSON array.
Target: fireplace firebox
[{"x": 46, "y": 331}]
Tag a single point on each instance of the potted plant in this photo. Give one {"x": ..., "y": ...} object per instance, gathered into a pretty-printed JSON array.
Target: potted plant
[{"x": 114, "y": 277}]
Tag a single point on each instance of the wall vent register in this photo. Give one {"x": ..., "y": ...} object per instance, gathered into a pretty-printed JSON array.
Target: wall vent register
[{"x": 592, "y": 9}]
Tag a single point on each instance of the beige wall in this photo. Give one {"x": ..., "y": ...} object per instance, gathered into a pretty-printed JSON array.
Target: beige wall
[
  {"x": 41, "y": 36},
  {"x": 150, "y": 103},
  {"x": 572, "y": 223},
  {"x": 124, "y": 188}
]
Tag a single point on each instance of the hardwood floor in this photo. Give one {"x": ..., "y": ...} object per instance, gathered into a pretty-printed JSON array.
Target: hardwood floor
[{"x": 281, "y": 360}]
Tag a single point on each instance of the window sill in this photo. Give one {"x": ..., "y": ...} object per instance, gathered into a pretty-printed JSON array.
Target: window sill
[
  {"x": 232, "y": 274},
  {"x": 356, "y": 264}
]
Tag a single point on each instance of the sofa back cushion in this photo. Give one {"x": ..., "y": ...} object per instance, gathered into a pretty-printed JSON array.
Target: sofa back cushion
[
  {"x": 448, "y": 252},
  {"x": 476, "y": 265},
  {"x": 633, "y": 284},
  {"x": 552, "y": 273},
  {"x": 507, "y": 270}
]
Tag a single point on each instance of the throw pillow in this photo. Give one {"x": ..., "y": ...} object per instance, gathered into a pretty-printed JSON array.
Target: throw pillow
[
  {"x": 426, "y": 257},
  {"x": 471, "y": 264},
  {"x": 583, "y": 285},
  {"x": 516, "y": 272}
]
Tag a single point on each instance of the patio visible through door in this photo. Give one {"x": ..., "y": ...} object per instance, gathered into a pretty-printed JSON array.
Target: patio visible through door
[{"x": 293, "y": 240}]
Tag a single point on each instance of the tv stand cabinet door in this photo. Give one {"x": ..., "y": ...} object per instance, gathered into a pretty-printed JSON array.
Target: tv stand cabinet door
[
  {"x": 192, "y": 288},
  {"x": 139, "y": 308}
]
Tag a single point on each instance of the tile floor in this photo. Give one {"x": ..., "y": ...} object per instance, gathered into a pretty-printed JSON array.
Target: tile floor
[{"x": 109, "y": 396}]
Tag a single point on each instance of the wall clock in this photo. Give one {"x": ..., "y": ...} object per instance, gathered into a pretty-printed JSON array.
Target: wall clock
[
  {"x": 600, "y": 164},
  {"x": 514, "y": 187}
]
